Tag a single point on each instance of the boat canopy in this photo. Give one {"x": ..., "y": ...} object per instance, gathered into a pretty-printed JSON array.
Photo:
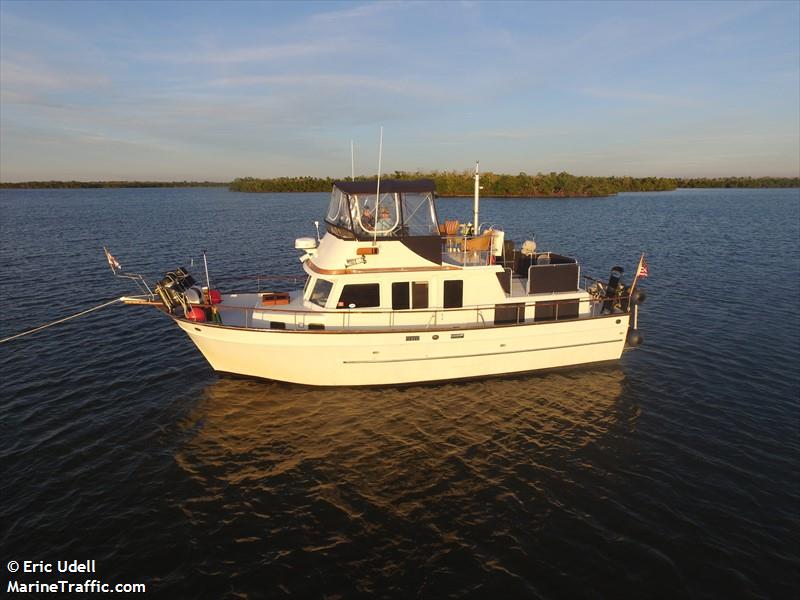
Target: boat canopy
[{"x": 404, "y": 208}]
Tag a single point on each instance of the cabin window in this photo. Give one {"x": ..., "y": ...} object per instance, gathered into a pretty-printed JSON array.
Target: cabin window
[
  {"x": 400, "y": 297},
  {"x": 453, "y": 293},
  {"x": 407, "y": 294},
  {"x": 360, "y": 295},
  {"x": 322, "y": 289},
  {"x": 419, "y": 294}
]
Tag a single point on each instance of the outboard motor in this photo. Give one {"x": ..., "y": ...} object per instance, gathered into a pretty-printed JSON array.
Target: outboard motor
[
  {"x": 612, "y": 289},
  {"x": 172, "y": 288}
]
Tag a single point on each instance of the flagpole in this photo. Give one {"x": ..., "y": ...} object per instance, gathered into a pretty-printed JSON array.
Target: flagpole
[{"x": 636, "y": 277}]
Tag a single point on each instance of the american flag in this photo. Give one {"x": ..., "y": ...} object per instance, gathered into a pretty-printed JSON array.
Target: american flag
[
  {"x": 641, "y": 270},
  {"x": 112, "y": 262}
]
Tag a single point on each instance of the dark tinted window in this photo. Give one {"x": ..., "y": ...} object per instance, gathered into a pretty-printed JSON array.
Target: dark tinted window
[
  {"x": 361, "y": 295},
  {"x": 419, "y": 294},
  {"x": 453, "y": 294},
  {"x": 400, "y": 298},
  {"x": 407, "y": 294}
]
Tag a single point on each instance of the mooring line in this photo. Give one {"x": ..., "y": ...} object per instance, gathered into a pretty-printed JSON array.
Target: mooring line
[{"x": 46, "y": 325}]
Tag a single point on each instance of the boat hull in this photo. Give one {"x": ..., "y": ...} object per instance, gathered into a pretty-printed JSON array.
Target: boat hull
[{"x": 344, "y": 358}]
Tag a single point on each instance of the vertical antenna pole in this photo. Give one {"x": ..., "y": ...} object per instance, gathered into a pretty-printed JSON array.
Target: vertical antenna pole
[
  {"x": 475, "y": 205},
  {"x": 208, "y": 282},
  {"x": 378, "y": 192},
  {"x": 352, "y": 163}
]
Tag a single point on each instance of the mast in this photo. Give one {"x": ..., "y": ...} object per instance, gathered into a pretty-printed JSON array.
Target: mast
[
  {"x": 476, "y": 226},
  {"x": 352, "y": 163},
  {"x": 377, "y": 193}
]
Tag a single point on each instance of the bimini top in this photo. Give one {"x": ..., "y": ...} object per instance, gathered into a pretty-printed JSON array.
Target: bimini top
[
  {"x": 404, "y": 209},
  {"x": 387, "y": 185}
]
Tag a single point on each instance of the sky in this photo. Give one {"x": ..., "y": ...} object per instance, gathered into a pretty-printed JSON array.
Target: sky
[{"x": 218, "y": 90}]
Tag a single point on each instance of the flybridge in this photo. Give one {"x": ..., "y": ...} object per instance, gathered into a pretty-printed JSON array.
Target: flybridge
[{"x": 401, "y": 209}]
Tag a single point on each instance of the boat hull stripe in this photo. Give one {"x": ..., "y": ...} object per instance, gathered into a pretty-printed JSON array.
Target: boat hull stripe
[{"x": 398, "y": 360}]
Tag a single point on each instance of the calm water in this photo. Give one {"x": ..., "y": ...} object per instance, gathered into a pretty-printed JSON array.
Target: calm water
[{"x": 671, "y": 474}]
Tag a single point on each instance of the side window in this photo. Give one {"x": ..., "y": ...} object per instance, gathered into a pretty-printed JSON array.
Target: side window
[
  {"x": 322, "y": 289},
  {"x": 453, "y": 294},
  {"x": 417, "y": 298},
  {"x": 400, "y": 298},
  {"x": 360, "y": 295},
  {"x": 419, "y": 294}
]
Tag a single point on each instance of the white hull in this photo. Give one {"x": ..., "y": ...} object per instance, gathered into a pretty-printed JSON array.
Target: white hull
[{"x": 336, "y": 358}]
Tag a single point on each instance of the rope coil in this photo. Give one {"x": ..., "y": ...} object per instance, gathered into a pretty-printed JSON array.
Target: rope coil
[{"x": 56, "y": 322}]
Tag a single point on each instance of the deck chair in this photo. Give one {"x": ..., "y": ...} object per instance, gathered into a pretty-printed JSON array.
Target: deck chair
[{"x": 451, "y": 227}]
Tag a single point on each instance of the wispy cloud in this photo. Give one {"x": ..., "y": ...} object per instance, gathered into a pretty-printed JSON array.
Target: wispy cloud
[
  {"x": 638, "y": 96},
  {"x": 250, "y": 54},
  {"x": 21, "y": 76},
  {"x": 355, "y": 13},
  {"x": 339, "y": 81}
]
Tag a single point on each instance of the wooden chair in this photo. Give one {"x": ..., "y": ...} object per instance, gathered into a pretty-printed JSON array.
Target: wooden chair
[{"x": 451, "y": 227}]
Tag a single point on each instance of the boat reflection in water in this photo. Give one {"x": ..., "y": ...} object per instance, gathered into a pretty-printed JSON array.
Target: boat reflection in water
[
  {"x": 425, "y": 491},
  {"x": 395, "y": 449}
]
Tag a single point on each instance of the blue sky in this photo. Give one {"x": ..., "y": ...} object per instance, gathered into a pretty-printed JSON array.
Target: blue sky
[{"x": 216, "y": 90}]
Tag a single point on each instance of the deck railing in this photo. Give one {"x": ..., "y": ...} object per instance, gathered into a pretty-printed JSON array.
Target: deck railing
[{"x": 473, "y": 316}]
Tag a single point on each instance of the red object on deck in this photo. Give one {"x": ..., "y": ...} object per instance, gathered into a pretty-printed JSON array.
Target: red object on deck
[
  {"x": 196, "y": 314},
  {"x": 215, "y": 296}
]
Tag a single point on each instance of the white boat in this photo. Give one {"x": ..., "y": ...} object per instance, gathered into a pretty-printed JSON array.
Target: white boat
[{"x": 405, "y": 299}]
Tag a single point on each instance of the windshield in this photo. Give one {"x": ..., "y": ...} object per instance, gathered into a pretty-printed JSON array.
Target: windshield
[
  {"x": 376, "y": 217},
  {"x": 322, "y": 289}
]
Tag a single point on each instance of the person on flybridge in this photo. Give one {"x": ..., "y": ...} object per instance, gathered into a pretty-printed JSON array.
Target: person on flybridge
[
  {"x": 367, "y": 220},
  {"x": 385, "y": 220}
]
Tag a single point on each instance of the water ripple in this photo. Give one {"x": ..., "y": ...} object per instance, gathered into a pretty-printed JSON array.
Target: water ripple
[{"x": 670, "y": 474}]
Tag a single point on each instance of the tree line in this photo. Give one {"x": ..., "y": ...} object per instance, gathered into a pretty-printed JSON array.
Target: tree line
[
  {"x": 43, "y": 185},
  {"x": 461, "y": 183},
  {"x": 456, "y": 183},
  {"x": 739, "y": 182}
]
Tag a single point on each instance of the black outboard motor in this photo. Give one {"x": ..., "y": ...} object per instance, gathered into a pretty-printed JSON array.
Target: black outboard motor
[
  {"x": 612, "y": 289},
  {"x": 171, "y": 289}
]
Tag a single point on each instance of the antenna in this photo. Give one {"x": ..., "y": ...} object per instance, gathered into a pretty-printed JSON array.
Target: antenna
[
  {"x": 352, "y": 163},
  {"x": 476, "y": 202},
  {"x": 378, "y": 191},
  {"x": 205, "y": 262}
]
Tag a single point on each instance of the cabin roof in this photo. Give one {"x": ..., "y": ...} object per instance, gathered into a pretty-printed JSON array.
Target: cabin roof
[{"x": 388, "y": 186}]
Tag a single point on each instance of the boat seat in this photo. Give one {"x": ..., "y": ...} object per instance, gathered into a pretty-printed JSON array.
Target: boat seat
[
  {"x": 482, "y": 243},
  {"x": 451, "y": 227}
]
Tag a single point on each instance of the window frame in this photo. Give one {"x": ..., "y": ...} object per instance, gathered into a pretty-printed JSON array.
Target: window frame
[{"x": 340, "y": 303}]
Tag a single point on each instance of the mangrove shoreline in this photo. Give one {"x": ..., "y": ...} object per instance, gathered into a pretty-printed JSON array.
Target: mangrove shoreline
[{"x": 454, "y": 184}]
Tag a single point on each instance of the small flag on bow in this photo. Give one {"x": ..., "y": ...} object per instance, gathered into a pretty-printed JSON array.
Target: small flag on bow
[
  {"x": 112, "y": 262},
  {"x": 641, "y": 270}
]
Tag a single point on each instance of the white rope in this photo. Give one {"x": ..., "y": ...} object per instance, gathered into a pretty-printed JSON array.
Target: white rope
[{"x": 46, "y": 325}]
